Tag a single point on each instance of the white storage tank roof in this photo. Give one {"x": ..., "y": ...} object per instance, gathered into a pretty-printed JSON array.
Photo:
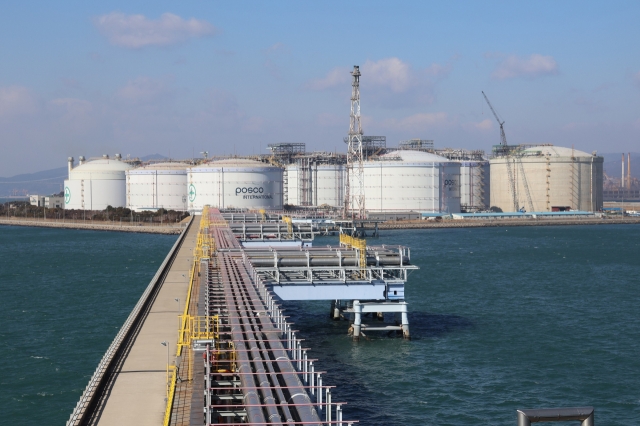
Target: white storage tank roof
[
  {"x": 408, "y": 156},
  {"x": 104, "y": 166},
  {"x": 556, "y": 151}
]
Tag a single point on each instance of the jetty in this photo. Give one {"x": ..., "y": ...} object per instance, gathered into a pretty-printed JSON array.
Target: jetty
[{"x": 209, "y": 343}]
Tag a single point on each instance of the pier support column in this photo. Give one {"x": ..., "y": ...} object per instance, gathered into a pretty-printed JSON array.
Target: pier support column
[
  {"x": 335, "y": 310},
  {"x": 357, "y": 322},
  {"x": 405, "y": 321}
]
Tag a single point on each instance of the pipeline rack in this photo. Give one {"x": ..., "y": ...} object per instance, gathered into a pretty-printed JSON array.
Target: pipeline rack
[{"x": 254, "y": 369}]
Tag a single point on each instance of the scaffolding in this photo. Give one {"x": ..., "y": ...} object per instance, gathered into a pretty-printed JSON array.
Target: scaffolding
[
  {"x": 286, "y": 151},
  {"x": 425, "y": 145},
  {"x": 371, "y": 145},
  {"x": 460, "y": 154}
]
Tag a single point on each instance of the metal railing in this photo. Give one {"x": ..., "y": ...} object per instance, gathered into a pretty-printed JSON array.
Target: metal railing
[
  {"x": 171, "y": 391},
  {"x": 92, "y": 391},
  {"x": 360, "y": 244},
  {"x": 583, "y": 414}
]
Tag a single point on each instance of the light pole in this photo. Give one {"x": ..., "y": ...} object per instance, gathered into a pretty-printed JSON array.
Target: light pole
[{"x": 165, "y": 343}]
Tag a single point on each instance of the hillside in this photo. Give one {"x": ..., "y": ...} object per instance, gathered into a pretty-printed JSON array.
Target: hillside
[{"x": 46, "y": 182}]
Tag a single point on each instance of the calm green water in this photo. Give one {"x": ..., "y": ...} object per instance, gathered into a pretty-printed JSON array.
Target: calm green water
[{"x": 501, "y": 319}]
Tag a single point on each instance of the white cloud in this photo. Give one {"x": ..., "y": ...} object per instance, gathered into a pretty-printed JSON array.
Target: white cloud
[
  {"x": 143, "y": 90},
  {"x": 420, "y": 122},
  {"x": 388, "y": 82},
  {"x": 71, "y": 105},
  {"x": 137, "y": 31},
  {"x": 533, "y": 66},
  {"x": 336, "y": 77},
  {"x": 16, "y": 100},
  {"x": 485, "y": 124}
]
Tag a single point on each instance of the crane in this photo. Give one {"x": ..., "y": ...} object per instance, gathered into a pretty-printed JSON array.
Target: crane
[{"x": 504, "y": 150}]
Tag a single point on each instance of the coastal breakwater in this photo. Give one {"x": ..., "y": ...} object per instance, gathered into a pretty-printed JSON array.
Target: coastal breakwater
[
  {"x": 172, "y": 229},
  {"x": 175, "y": 229}
]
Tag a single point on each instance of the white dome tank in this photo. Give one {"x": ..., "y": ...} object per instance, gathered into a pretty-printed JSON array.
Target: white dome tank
[
  {"x": 316, "y": 185},
  {"x": 96, "y": 184},
  {"x": 235, "y": 183},
  {"x": 408, "y": 180},
  {"x": 557, "y": 178},
  {"x": 155, "y": 186}
]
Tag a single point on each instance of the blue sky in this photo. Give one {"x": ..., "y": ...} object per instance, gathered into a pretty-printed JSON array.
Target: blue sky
[{"x": 87, "y": 78}]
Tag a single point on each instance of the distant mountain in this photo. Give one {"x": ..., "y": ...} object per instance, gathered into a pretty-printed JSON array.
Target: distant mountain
[
  {"x": 153, "y": 157},
  {"x": 46, "y": 182},
  {"x": 42, "y": 183},
  {"x": 613, "y": 164}
]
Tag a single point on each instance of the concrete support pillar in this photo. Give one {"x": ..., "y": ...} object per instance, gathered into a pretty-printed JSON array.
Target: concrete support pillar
[
  {"x": 357, "y": 321},
  {"x": 405, "y": 322},
  {"x": 335, "y": 310}
]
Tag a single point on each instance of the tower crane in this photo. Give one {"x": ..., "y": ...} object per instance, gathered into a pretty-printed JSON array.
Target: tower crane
[{"x": 504, "y": 151}]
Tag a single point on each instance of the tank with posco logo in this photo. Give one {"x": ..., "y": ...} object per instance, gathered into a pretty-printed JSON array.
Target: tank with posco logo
[
  {"x": 235, "y": 183},
  {"x": 408, "y": 180}
]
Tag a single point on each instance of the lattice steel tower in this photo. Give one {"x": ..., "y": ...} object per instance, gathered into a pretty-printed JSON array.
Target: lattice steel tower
[{"x": 354, "y": 188}]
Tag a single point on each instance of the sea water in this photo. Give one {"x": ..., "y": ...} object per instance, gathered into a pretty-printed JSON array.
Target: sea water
[{"x": 500, "y": 319}]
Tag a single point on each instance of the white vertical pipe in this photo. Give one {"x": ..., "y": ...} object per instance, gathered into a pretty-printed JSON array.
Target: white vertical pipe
[
  {"x": 339, "y": 415},
  {"x": 328, "y": 405},
  {"x": 311, "y": 377},
  {"x": 319, "y": 391},
  {"x": 305, "y": 367}
]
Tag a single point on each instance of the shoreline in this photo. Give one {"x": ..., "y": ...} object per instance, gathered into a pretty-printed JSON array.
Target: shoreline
[
  {"x": 176, "y": 229},
  {"x": 173, "y": 229}
]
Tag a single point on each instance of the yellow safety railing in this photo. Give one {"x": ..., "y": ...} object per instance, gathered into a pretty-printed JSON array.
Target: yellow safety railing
[
  {"x": 198, "y": 328},
  {"x": 360, "y": 244},
  {"x": 289, "y": 222},
  {"x": 172, "y": 377},
  {"x": 192, "y": 327},
  {"x": 225, "y": 357}
]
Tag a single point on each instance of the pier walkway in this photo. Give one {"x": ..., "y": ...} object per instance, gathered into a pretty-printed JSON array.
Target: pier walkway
[
  {"x": 139, "y": 389},
  {"x": 130, "y": 386}
]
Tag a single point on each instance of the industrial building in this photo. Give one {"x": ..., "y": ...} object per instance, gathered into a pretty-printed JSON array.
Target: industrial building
[
  {"x": 48, "y": 201},
  {"x": 235, "y": 183},
  {"x": 158, "y": 185},
  {"x": 407, "y": 180},
  {"x": 546, "y": 178},
  {"x": 96, "y": 184}
]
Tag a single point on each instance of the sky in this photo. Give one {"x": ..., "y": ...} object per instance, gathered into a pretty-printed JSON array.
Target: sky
[{"x": 229, "y": 77}]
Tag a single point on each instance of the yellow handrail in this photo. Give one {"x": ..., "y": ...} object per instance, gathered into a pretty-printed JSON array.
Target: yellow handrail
[
  {"x": 171, "y": 383},
  {"x": 360, "y": 244}
]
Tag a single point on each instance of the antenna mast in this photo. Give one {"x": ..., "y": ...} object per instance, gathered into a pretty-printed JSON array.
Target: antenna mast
[{"x": 354, "y": 197}]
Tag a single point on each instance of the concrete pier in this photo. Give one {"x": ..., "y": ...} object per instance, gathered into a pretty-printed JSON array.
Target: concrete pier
[{"x": 138, "y": 389}]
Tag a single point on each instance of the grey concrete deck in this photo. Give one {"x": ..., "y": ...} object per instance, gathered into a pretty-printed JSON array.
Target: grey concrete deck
[{"x": 139, "y": 392}]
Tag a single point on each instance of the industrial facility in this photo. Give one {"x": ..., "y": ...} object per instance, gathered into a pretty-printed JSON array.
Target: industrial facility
[
  {"x": 96, "y": 184},
  {"x": 414, "y": 177}
]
